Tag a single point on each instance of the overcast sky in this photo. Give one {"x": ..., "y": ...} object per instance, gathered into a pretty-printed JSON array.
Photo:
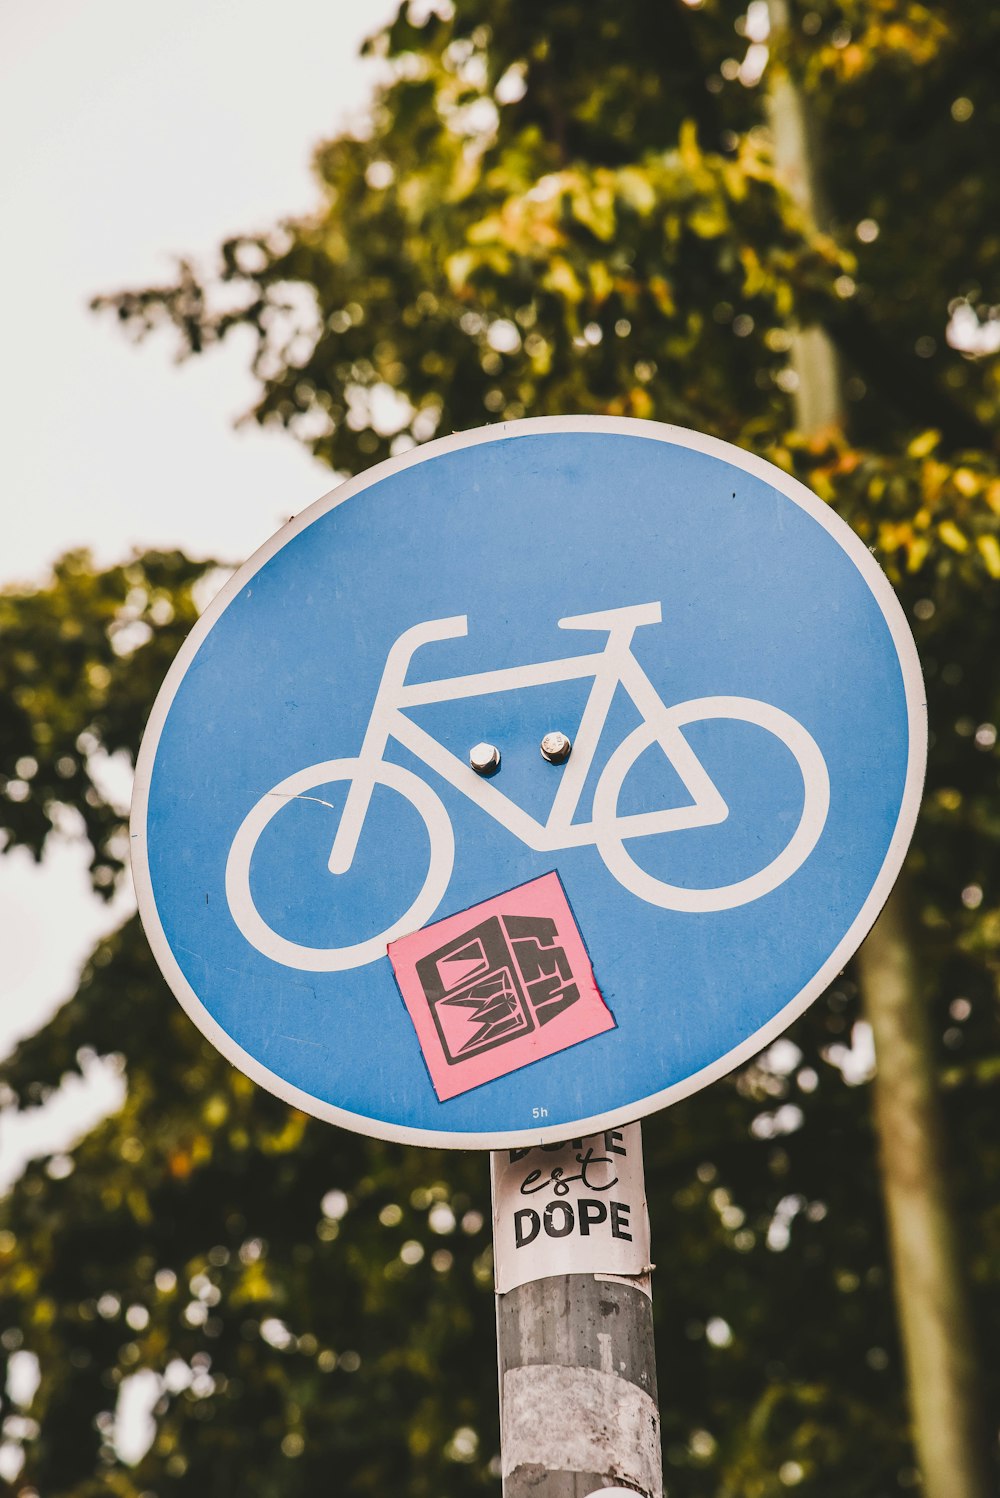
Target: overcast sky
[{"x": 134, "y": 133}]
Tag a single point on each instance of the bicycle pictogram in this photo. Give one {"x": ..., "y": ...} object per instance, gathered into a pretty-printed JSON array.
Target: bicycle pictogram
[{"x": 607, "y": 830}]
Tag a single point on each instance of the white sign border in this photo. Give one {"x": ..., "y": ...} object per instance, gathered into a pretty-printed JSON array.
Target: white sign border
[{"x": 916, "y": 707}]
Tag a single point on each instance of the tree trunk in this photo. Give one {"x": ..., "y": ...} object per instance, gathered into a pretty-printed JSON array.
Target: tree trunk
[
  {"x": 932, "y": 1304},
  {"x": 936, "y": 1328}
]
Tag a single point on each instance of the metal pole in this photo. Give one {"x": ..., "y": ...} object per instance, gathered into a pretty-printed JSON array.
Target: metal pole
[{"x": 578, "y": 1403}]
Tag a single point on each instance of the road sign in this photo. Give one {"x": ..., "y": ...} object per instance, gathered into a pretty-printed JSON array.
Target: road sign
[{"x": 548, "y": 944}]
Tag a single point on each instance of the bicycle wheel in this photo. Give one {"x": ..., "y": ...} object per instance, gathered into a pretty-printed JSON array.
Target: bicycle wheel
[
  {"x": 335, "y": 959},
  {"x": 815, "y": 805}
]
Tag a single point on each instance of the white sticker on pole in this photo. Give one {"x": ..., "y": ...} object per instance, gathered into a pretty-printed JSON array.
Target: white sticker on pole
[
  {"x": 573, "y": 1208},
  {"x": 614, "y": 1493}
]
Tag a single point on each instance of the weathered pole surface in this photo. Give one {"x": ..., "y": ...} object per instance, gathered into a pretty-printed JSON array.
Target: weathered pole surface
[
  {"x": 578, "y": 1402},
  {"x": 931, "y": 1297}
]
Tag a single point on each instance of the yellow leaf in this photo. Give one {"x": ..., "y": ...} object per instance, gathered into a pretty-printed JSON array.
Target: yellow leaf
[
  {"x": 892, "y": 534},
  {"x": 965, "y": 482},
  {"x": 458, "y": 268},
  {"x": 253, "y": 1285},
  {"x": 659, "y": 290},
  {"x": 916, "y": 553},
  {"x": 596, "y": 211},
  {"x": 601, "y": 281},
  {"x": 933, "y": 478},
  {"x": 215, "y": 1111},
  {"x": 487, "y": 229},
  {"x": 636, "y": 402},
  {"x": 44, "y": 1311},
  {"x": 989, "y": 549},
  {"x": 138, "y": 1205},
  {"x": 688, "y": 143},
  {"x": 708, "y": 222},
  {"x": 924, "y": 444},
  {"x": 952, "y": 536},
  {"x": 852, "y": 61},
  {"x": 287, "y": 1137},
  {"x": 562, "y": 278},
  {"x": 637, "y": 190},
  {"x": 23, "y": 1281},
  {"x": 735, "y": 179}
]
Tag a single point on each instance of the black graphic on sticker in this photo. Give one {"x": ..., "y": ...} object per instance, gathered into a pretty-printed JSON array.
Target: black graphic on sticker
[{"x": 495, "y": 982}]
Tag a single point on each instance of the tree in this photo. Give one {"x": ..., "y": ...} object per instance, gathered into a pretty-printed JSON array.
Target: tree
[{"x": 568, "y": 209}]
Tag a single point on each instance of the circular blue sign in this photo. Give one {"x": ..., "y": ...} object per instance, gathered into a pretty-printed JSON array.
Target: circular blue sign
[{"x": 552, "y": 942}]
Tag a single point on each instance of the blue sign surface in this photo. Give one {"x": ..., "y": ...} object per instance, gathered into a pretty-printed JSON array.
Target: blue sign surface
[{"x": 748, "y": 735}]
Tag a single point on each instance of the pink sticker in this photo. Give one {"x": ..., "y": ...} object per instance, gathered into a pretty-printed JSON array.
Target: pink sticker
[{"x": 498, "y": 986}]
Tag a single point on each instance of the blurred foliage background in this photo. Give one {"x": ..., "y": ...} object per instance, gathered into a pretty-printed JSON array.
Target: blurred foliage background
[{"x": 557, "y": 208}]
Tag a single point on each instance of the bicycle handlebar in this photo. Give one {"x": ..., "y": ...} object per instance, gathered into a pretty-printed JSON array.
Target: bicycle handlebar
[{"x": 611, "y": 619}]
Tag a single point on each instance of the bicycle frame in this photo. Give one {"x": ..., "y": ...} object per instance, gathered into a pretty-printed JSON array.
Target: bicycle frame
[{"x": 611, "y": 667}]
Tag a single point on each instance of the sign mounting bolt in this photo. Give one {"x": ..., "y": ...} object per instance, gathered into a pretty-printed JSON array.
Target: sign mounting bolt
[
  {"x": 556, "y": 748},
  {"x": 484, "y": 759}
]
